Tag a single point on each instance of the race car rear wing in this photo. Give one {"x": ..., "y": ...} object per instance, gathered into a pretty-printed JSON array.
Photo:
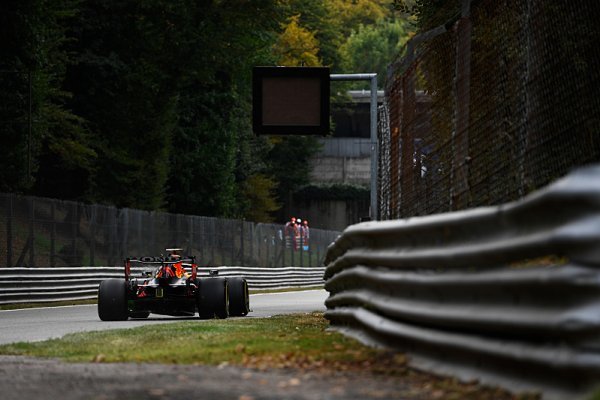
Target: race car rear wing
[{"x": 188, "y": 263}]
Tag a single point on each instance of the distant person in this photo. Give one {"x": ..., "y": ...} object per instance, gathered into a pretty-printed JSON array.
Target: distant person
[
  {"x": 290, "y": 231},
  {"x": 305, "y": 235}
]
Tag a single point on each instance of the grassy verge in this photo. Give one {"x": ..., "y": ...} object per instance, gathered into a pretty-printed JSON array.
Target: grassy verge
[{"x": 299, "y": 342}]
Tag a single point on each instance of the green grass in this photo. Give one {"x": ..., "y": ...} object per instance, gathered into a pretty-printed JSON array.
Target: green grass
[
  {"x": 297, "y": 340},
  {"x": 595, "y": 395}
]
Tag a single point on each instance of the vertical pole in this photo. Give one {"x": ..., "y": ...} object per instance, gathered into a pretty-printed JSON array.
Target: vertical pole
[
  {"x": 53, "y": 234},
  {"x": 9, "y": 248},
  {"x": 374, "y": 149},
  {"x": 139, "y": 241},
  {"x": 252, "y": 236},
  {"x": 232, "y": 241},
  {"x": 31, "y": 232},
  {"x": 292, "y": 250},
  {"x": 212, "y": 235},
  {"x": 461, "y": 195},
  {"x": 93, "y": 234},
  {"x": 318, "y": 248},
  {"x": 125, "y": 248},
  {"x": 241, "y": 243},
  {"x": 29, "y": 128},
  {"x": 190, "y": 249},
  {"x": 202, "y": 243},
  {"x": 407, "y": 184},
  {"x": 74, "y": 222},
  {"x": 301, "y": 247},
  {"x": 269, "y": 243}
]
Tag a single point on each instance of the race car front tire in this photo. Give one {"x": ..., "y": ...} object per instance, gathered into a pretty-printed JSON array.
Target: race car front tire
[
  {"x": 239, "y": 299},
  {"x": 112, "y": 300},
  {"x": 212, "y": 298}
]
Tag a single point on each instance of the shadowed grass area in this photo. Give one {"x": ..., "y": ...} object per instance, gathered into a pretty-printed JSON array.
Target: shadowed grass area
[{"x": 299, "y": 342}]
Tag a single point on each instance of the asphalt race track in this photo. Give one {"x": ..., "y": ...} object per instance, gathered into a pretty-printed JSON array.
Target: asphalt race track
[{"x": 37, "y": 324}]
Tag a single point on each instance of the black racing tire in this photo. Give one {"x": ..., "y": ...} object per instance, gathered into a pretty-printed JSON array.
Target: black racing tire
[
  {"x": 112, "y": 300},
  {"x": 139, "y": 314},
  {"x": 239, "y": 299},
  {"x": 212, "y": 298}
]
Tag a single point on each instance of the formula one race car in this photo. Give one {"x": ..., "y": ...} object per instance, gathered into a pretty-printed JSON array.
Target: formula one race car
[{"x": 170, "y": 286}]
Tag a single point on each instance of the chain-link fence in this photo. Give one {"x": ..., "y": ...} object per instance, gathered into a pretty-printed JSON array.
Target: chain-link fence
[
  {"x": 490, "y": 101},
  {"x": 39, "y": 232}
]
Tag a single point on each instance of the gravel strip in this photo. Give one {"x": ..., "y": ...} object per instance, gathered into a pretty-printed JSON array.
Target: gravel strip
[{"x": 24, "y": 378}]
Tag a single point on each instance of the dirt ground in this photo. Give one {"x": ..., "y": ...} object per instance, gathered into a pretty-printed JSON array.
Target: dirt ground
[{"x": 24, "y": 378}]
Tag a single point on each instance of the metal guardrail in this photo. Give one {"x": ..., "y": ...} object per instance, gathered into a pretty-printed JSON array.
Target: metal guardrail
[
  {"x": 31, "y": 285},
  {"x": 470, "y": 293}
]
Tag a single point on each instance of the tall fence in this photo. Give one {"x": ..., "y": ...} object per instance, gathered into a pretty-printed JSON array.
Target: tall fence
[
  {"x": 40, "y": 232},
  {"x": 491, "y": 100}
]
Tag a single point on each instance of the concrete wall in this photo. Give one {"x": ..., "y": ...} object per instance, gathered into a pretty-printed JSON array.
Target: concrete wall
[{"x": 349, "y": 170}]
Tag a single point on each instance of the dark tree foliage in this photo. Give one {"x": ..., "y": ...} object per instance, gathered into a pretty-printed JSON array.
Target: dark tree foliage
[
  {"x": 213, "y": 142},
  {"x": 44, "y": 147},
  {"x": 164, "y": 86},
  {"x": 135, "y": 104},
  {"x": 146, "y": 104},
  {"x": 289, "y": 160},
  {"x": 122, "y": 86}
]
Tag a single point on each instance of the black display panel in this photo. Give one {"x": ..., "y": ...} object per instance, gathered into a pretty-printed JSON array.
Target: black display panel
[{"x": 290, "y": 100}]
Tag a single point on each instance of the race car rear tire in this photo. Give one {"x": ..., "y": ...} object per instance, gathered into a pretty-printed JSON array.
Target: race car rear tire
[
  {"x": 212, "y": 298},
  {"x": 239, "y": 299},
  {"x": 112, "y": 300}
]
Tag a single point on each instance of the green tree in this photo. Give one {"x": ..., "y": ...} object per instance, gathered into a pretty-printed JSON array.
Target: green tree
[
  {"x": 259, "y": 190},
  {"x": 215, "y": 152},
  {"x": 289, "y": 163},
  {"x": 39, "y": 132},
  {"x": 371, "y": 48},
  {"x": 296, "y": 46},
  {"x": 122, "y": 88}
]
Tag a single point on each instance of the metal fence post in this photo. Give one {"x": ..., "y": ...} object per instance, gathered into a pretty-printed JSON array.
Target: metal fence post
[
  {"x": 31, "y": 232},
  {"x": 9, "y": 217},
  {"x": 301, "y": 247},
  {"x": 53, "y": 235},
  {"x": 242, "y": 242},
  {"x": 92, "y": 234},
  {"x": 212, "y": 236},
  {"x": 252, "y": 236},
  {"x": 460, "y": 137}
]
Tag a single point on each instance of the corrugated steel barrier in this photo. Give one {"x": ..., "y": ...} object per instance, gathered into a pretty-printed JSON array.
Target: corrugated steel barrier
[
  {"x": 509, "y": 295},
  {"x": 30, "y": 285}
]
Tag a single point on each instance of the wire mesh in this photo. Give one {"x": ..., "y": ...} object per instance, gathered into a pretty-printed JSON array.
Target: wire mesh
[
  {"x": 40, "y": 232},
  {"x": 490, "y": 102}
]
